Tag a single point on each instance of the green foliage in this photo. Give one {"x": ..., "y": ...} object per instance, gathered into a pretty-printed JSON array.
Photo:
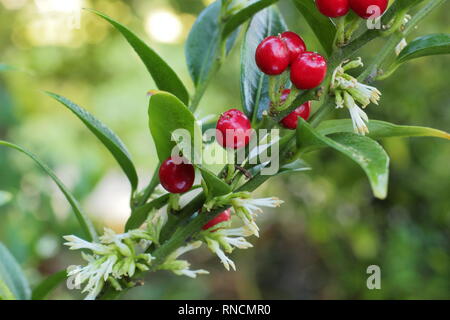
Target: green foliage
[
  {"x": 44, "y": 288},
  {"x": 84, "y": 221},
  {"x": 165, "y": 78},
  {"x": 429, "y": 45},
  {"x": 322, "y": 26},
  {"x": 206, "y": 43},
  {"x": 254, "y": 83},
  {"x": 215, "y": 186},
  {"x": 162, "y": 126},
  {"x": 381, "y": 129},
  {"x": 13, "y": 284},
  {"x": 364, "y": 151},
  {"x": 108, "y": 138},
  {"x": 245, "y": 14},
  {"x": 139, "y": 215}
]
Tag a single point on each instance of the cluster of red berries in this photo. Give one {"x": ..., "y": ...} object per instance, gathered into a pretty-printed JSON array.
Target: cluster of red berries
[
  {"x": 233, "y": 131},
  {"x": 363, "y": 8},
  {"x": 275, "y": 54}
]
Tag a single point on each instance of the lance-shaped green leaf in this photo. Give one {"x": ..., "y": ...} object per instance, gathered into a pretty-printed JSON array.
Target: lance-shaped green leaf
[
  {"x": 216, "y": 187},
  {"x": 13, "y": 284},
  {"x": 139, "y": 215},
  {"x": 322, "y": 26},
  {"x": 165, "y": 78},
  {"x": 298, "y": 165},
  {"x": 254, "y": 83},
  {"x": 204, "y": 42},
  {"x": 366, "y": 152},
  {"x": 429, "y": 45},
  {"x": 381, "y": 129},
  {"x": 84, "y": 221},
  {"x": 244, "y": 14},
  {"x": 107, "y": 137},
  {"x": 172, "y": 124},
  {"x": 47, "y": 285}
]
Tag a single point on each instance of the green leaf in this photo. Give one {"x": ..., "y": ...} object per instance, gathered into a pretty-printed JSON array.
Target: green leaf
[
  {"x": 297, "y": 165},
  {"x": 109, "y": 139},
  {"x": 216, "y": 187},
  {"x": 84, "y": 221},
  {"x": 139, "y": 215},
  {"x": 167, "y": 114},
  {"x": 243, "y": 15},
  {"x": 13, "y": 284},
  {"x": 254, "y": 83},
  {"x": 322, "y": 26},
  {"x": 48, "y": 285},
  {"x": 366, "y": 152},
  {"x": 165, "y": 78},
  {"x": 204, "y": 42},
  {"x": 381, "y": 129},
  {"x": 433, "y": 44},
  {"x": 5, "y": 197}
]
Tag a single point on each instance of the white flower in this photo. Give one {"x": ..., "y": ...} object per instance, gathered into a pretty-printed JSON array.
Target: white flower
[
  {"x": 182, "y": 250},
  {"x": 248, "y": 208},
  {"x": 349, "y": 93},
  {"x": 95, "y": 273},
  {"x": 75, "y": 243},
  {"x": 182, "y": 267},
  {"x": 359, "y": 117},
  {"x": 109, "y": 236},
  {"x": 223, "y": 240}
]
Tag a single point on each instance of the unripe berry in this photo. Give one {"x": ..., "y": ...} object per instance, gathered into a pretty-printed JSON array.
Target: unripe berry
[
  {"x": 333, "y": 8},
  {"x": 294, "y": 43},
  {"x": 369, "y": 8},
  {"x": 176, "y": 178},
  {"x": 272, "y": 56},
  {"x": 308, "y": 70},
  {"x": 233, "y": 129},
  {"x": 291, "y": 120},
  {"x": 221, "y": 217}
]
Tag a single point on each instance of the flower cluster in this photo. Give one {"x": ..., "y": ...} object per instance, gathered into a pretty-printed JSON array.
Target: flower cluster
[
  {"x": 118, "y": 257},
  {"x": 349, "y": 92},
  {"x": 221, "y": 239}
]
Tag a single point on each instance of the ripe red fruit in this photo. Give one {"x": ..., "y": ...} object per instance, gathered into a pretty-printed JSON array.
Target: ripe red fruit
[
  {"x": 221, "y": 217},
  {"x": 294, "y": 43},
  {"x": 291, "y": 120},
  {"x": 308, "y": 70},
  {"x": 333, "y": 8},
  {"x": 363, "y": 8},
  {"x": 176, "y": 178},
  {"x": 272, "y": 56},
  {"x": 233, "y": 129}
]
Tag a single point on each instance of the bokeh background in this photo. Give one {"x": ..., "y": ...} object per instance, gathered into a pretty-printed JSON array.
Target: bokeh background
[{"x": 317, "y": 246}]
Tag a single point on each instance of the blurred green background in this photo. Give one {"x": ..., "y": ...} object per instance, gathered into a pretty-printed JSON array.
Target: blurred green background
[{"x": 317, "y": 246}]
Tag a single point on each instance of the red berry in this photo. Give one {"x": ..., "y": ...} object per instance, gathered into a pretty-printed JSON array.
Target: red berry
[
  {"x": 365, "y": 9},
  {"x": 291, "y": 120},
  {"x": 294, "y": 43},
  {"x": 176, "y": 178},
  {"x": 233, "y": 129},
  {"x": 272, "y": 56},
  {"x": 333, "y": 8},
  {"x": 222, "y": 217},
  {"x": 308, "y": 70}
]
